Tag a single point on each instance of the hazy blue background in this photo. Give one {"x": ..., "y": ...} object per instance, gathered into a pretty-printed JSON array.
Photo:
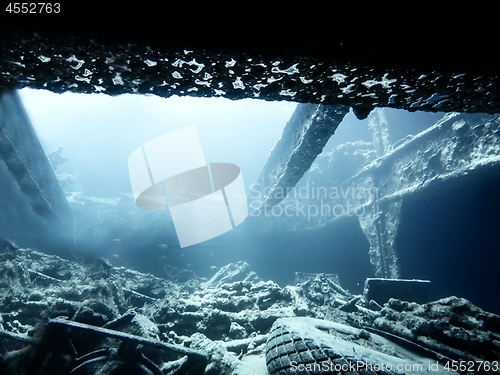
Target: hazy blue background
[
  {"x": 448, "y": 239},
  {"x": 99, "y": 132}
]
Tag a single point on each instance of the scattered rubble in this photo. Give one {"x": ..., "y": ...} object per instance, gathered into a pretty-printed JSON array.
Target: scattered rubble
[{"x": 105, "y": 316}]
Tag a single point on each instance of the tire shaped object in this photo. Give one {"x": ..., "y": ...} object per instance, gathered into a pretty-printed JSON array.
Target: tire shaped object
[
  {"x": 295, "y": 346},
  {"x": 307, "y": 346}
]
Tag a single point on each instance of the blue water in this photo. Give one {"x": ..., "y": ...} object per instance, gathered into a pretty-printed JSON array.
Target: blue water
[{"x": 450, "y": 239}]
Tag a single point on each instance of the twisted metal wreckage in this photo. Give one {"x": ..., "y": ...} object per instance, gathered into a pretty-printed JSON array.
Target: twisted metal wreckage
[
  {"x": 330, "y": 87},
  {"x": 56, "y": 342},
  {"x": 326, "y": 88}
]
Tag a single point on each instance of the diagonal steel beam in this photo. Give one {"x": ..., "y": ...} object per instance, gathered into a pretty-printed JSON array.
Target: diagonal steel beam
[{"x": 303, "y": 138}]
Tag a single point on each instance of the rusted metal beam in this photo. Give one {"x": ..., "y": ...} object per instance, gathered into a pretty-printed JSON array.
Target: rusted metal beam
[
  {"x": 302, "y": 140},
  {"x": 194, "y": 354}
]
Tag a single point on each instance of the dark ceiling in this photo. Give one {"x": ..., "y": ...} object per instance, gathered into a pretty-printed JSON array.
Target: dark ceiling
[{"x": 438, "y": 63}]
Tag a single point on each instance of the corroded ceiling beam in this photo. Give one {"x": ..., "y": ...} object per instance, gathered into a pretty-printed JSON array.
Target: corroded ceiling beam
[{"x": 332, "y": 70}]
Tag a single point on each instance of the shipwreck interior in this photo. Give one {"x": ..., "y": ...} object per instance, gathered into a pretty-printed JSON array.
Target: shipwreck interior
[{"x": 406, "y": 147}]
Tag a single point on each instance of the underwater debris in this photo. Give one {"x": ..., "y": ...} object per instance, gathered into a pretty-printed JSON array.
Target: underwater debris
[
  {"x": 8, "y": 249},
  {"x": 60, "y": 335},
  {"x": 232, "y": 273},
  {"x": 179, "y": 275},
  {"x": 55, "y": 157},
  {"x": 404, "y": 160},
  {"x": 381, "y": 290},
  {"x": 303, "y": 138},
  {"x": 316, "y": 346},
  {"x": 220, "y": 325}
]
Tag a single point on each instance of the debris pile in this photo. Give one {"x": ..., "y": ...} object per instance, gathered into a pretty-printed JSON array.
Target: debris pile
[{"x": 95, "y": 318}]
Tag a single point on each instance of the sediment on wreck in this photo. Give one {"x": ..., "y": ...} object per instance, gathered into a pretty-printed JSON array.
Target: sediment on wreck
[{"x": 225, "y": 320}]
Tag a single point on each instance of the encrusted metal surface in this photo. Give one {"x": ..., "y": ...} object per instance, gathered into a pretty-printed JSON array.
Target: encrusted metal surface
[
  {"x": 303, "y": 139},
  {"x": 25, "y": 158},
  {"x": 65, "y": 62}
]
